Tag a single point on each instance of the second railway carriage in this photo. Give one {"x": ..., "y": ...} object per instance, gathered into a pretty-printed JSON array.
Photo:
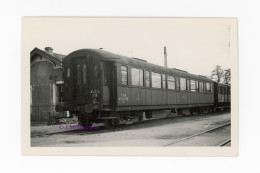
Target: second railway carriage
[
  {"x": 222, "y": 96},
  {"x": 100, "y": 86}
]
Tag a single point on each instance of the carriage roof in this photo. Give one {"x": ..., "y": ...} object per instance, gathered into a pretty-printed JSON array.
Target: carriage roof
[{"x": 136, "y": 63}]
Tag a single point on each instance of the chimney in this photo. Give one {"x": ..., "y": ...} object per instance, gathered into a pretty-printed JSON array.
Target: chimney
[
  {"x": 165, "y": 57},
  {"x": 49, "y": 50}
]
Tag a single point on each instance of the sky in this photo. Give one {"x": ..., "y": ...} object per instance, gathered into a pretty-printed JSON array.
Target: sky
[{"x": 194, "y": 45}]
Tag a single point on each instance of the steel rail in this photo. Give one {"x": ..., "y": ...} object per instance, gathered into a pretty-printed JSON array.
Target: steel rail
[
  {"x": 224, "y": 143},
  {"x": 197, "y": 134}
]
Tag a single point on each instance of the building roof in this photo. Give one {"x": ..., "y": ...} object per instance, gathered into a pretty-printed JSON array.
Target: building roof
[{"x": 54, "y": 57}]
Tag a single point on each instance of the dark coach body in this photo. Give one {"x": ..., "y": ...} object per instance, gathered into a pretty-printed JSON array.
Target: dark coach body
[{"x": 100, "y": 86}]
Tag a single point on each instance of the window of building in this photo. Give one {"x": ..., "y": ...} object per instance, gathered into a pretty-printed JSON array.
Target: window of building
[
  {"x": 177, "y": 82},
  {"x": 124, "y": 80},
  {"x": 163, "y": 81},
  {"x": 201, "y": 87},
  {"x": 171, "y": 82},
  {"x": 147, "y": 79},
  {"x": 79, "y": 77},
  {"x": 84, "y": 72},
  {"x": 192, "y": 85},
  {"x": 188, "y": 84},
  {"x": 183, "y": 84},
  {"x": 137, "y": 77},
  {"x": 156, "y": 80},
  {"x": 61, "y": 93}
]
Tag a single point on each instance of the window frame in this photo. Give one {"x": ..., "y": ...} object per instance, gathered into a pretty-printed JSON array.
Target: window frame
[
  {"x": 201, "y": 90},
  {"x": 177, "y": 83},
  {"x": 159, "y": 74},
  {"x": 127, "y": 80},
  {"x": 188, "y": 85},
  {"x": 174, "y": 85},
  {"x": 141, "y": 79},
  {"x": 195, "y": 87},
  {"x": 163, "y": 81},
  {"x": 145, "y": 78},
  {"x": 183, "y": 84}
]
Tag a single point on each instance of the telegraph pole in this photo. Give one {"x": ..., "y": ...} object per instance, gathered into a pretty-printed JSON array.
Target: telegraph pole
[{"x": 165, "y": 57}]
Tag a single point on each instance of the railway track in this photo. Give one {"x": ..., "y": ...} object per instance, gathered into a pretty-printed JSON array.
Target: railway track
[
  {"x": 224, "y": 143},
  {"x": 137, "y": 125}
]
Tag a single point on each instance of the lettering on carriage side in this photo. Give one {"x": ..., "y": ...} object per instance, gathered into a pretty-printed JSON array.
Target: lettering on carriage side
[
  {"x": 123, "y": 97},
  {"x": 94, "y": 94}
]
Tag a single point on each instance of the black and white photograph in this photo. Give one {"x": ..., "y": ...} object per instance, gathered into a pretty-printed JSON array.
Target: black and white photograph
[{"x": 131, "y": 83}]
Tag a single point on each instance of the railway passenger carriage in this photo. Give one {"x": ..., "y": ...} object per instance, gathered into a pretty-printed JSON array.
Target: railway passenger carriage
[
  {"x": 222, "y": 96},
  {"x": 100, "y": 86}
]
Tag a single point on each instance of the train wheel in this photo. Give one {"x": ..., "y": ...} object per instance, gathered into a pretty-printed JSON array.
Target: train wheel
[
  {"x": 205, "y": 110},
  {"x": 191, "y": 111},
  {"x": 180, "y": 111},
  {"x": 84, "y": 121},
  {"x": 198, "y": 110},
  {"x": 148, "y": 114},
  {"x": 140, "y": 116}
]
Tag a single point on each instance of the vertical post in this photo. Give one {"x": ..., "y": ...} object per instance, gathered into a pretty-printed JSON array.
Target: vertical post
[
  {"x": 54, "y": 94},
  {"x": 165, "y": 57}
]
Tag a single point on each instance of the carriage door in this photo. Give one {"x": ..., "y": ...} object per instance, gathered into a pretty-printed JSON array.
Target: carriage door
[
  {"x": 80, "y": 83},
  {"x": 107, "y": 83}
]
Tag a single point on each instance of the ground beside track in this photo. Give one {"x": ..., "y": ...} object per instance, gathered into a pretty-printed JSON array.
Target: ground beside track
[{"x": 149, "y": 133}]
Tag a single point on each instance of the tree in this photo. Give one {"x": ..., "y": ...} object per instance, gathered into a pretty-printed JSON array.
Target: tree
[
  {"x": 227, "y": 76},
  {"x": 217, "y": 73}
]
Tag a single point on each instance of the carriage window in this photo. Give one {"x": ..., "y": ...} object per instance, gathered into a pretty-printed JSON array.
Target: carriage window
[
  {"x": 201, "y": 87},
  {"x": 79, "y": 78},
  {"x": 68, "y": 72},
  {"x": 211, "y": 88},
  {"x": 95, "y": 70},
  {"x": 141, "y": 78},
  {"x": 84, "y": 72},
  {"x": 124, "y": 75},
  {"x": 156, "y": 80},
  {"x": 137, "y": 77},
  {"x": 147, "y": 79},
  {"x": 208, "y": 87},
  {"x": 163, "y": 81},
  {"x": 197, "y": 86},
  {"x": 188, "y": 84},
  {"x": 183, "y": 84},
  {"x": 193, "y": 85},
  {"x": 224, "y": 90},
  {"x": 177, "y": 83},
  {"x": 106, "y": 74},
  {"x": 171, "y": 82}
]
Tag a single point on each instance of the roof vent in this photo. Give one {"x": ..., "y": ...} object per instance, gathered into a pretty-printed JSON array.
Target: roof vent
[
  {"x": 202, "y": 76},
  {"x": 140, "y": 59},
  {"x": 180, "y": 70},
  {"x": 49, "y": 50}
]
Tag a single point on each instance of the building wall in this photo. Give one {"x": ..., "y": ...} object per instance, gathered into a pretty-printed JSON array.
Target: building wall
[{"x": 44, "y": 91}]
